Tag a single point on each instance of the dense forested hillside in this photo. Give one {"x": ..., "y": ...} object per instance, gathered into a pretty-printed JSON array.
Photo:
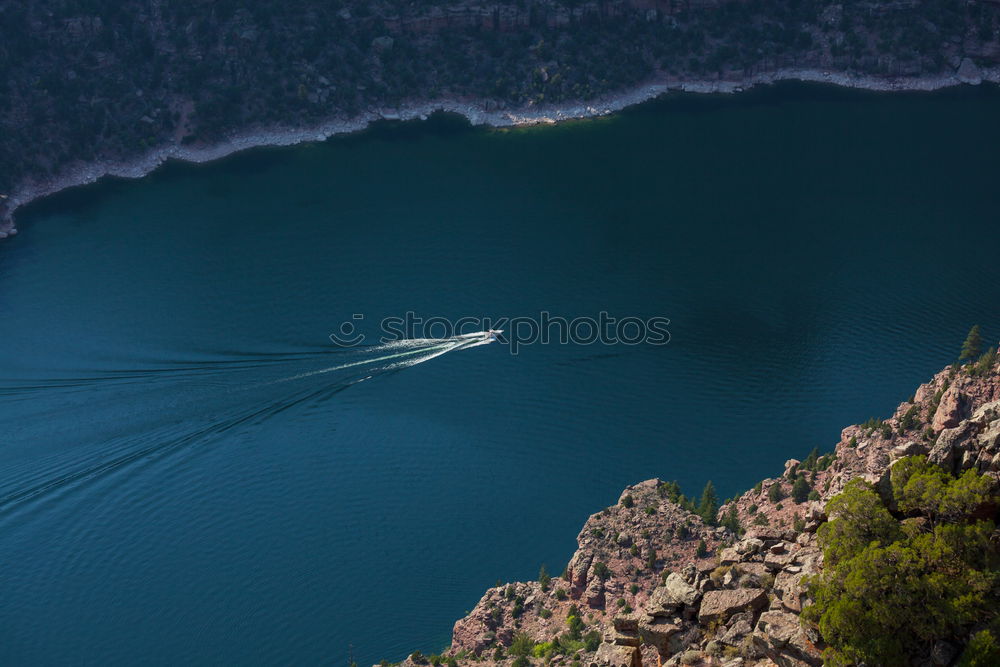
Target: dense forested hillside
[{"x": 101, "y": 79}]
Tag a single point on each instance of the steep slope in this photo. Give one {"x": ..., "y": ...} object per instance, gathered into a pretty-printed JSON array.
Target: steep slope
[{"x": 651, "y": 583}]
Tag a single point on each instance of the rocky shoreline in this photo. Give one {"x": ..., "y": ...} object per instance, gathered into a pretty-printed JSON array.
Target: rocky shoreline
[
  {"x": 477, "y": 112},
  {"x": 652, "y": 584}
]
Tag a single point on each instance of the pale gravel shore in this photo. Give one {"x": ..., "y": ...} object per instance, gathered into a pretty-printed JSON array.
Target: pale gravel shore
[{"x": 475, "y": 112}]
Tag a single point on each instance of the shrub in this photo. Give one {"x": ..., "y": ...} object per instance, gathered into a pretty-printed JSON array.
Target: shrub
[
  {"x": 813, "y": 495},
  {"x": 560, "y": 594},
  {"x": 592, "y": 641},
  {"x": 761, "y": 520},
  {"x": 518, "y": 607},
  {"x": 800, "y": 489},
  {"x": 775, "y": 493},
  {"x": 982, "y": 651},
  {"x": 810, "y": 461},
  {"x": 634, "y": 588},
  {"x": 985, "y": 363},
  {"x": 543, "y": 578},
  {"x": 731, "y": 520},
  {"x": 691, "y": 657},
  {"x": 575, "y": 623},
  {"x": 718, "y": 573},
  {"x": 521, "y": 661},
  {"x": 752, "y": 509},
  {"x": 669, "y": 490},
  {"x": 910, "y": 419},
  {"x": 871, "y": 424},
  {"x": 798, "y": 524},
  {"x": 544, "y": 613},
  {"x": 628, "y": 502},
  {"x": 542, "y": 649},
  {"x": 522, "y": 644},
  {"x": 888, "y": 590},
  {"x": 702, "y": 549},
  {"x": 568, "y": 645}
]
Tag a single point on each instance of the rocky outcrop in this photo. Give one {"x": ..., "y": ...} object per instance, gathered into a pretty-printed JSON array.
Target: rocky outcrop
[
  {"x": 949, "y": 411},
  {"x": 721, "y": 605},
  {"x": 637, "y": 592}
]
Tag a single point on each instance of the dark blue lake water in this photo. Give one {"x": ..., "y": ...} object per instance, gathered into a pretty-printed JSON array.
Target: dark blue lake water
[{"x": 178, "y": 483}]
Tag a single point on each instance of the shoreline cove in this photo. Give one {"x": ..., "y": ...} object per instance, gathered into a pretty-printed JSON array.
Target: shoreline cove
[{"x": 474, "y": 111}]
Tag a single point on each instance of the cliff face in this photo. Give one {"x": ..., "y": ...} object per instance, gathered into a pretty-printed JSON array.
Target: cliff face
[{"x": 642, "y": 594}]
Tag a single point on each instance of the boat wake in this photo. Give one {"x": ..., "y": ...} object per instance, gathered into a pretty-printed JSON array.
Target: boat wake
[{"x": 64, "y": 432}]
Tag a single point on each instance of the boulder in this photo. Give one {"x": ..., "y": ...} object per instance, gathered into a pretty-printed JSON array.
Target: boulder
[
  {"x": 729, "y": 556},
  {"x": 736, "y": 632},
  {"x": 720, "y": 605},
  {"x": 911, "y": 448},
  {"x": 788, "y": 587},
  {"x": 613, "y": 655},
  {"x": 749, "y": 573},
  {"x": 782, "y": 639},
  {"x": 659, "y": 631},
  {"x": 750, "y": 545},
  {"x": 767, "y": 535},
  {"x": 678, "y": 590},
  {"x": 949, "y": 411},
  {"x": 775, "y": 562}
]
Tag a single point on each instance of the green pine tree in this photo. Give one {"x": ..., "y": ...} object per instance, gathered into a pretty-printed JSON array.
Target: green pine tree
[
  {"x": 731, "y": 520},
  {"x": 973, "y": 345},
  {"x": 709, "y": 505},
  {"x": 810, "y": 462},
  {"x": 800, "y": 490},
  {"x": 544, "y": 579},
  {"x": 702, "y": 550}
]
